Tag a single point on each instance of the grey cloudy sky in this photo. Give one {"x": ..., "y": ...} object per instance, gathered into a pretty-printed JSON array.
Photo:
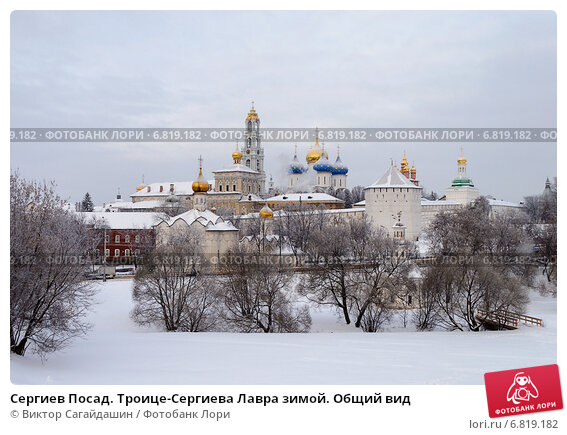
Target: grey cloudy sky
[{"x": 302, "y": 69}]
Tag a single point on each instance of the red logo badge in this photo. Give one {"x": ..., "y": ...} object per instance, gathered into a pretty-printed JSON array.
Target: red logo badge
[{"x": 521, "y": 391}]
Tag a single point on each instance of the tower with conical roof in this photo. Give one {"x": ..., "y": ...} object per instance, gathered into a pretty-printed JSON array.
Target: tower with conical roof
[
  {"x": 391, "y": 196},
  {"x": 462, "y": 189},
  {"x": 252, "y": 151}
]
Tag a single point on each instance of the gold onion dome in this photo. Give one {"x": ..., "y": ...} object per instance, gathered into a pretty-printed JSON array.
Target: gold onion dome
[
  {"x": 266, "y": 212},
  {"x": 200, "y": 185},
  {"x": 461, "y": 160},
  {"x": 413, "y": 170},
  {"x": 236, "y": 155},
  {"x": 314, "y": 153}
]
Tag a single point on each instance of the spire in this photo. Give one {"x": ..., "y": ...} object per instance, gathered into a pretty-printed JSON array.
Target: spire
[{"x": 461, "y": 160}]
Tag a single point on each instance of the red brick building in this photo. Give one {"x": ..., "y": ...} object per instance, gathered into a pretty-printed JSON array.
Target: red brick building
[{"x": 121, "y": 238}]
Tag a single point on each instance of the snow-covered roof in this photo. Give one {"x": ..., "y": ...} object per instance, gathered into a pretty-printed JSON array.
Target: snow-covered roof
[
  {"x": 502, "y": 203},
  {"x": 360, "y": 203},
  {"x": 283, "y": 213},
  {"x": 296, "y": 197},
  {"x": 179, "y": 188},
  {"x": 206, "y": 218},
  {"x": 237, "y": 167},
  {"x": 268, "y": 237},
  {"x": 248, "y": 197},
  {"x": 123, "y": 221},
  {"x": 129, "y": 205},
  {"x": 221, "y": 226},
  {"x": 427, "y": 202},
  {"x": 393, "y": 178}
]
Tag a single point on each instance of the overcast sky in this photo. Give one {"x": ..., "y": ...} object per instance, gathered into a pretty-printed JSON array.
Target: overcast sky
[{"x": 302, "y": 69}]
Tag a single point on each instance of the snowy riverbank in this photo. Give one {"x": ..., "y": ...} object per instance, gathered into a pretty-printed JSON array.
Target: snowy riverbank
[{"x": 117, "y": 351}]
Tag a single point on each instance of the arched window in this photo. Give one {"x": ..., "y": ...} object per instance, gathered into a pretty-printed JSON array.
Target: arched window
[{"x": 117, "y": 252}]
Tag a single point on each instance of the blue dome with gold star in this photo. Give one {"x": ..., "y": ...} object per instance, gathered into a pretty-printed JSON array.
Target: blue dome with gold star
[
  {"x": 339, "y": 168},
  {"x": 323, "y": 165},
  {"x": 295, "y": 167}
]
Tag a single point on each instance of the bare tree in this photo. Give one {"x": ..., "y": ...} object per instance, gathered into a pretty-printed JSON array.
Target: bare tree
[
  {"x": 475, "y": 268},
  {"x": 542, "y": 227},
  {"x": 296, "y": 226},
  {"x": 256, "y": 298},
  {"x": 169, "y": 289},
  {"x": 330, "y": 280},
  {"x": 384, "y": 269},
  {"x": 375, "y": 316},
  {"x": 49, "y": 296},
  {"x": 545, "y": 240},
  {"x": 461, "y": 290},
  {"x": 425, "y": 317},
  {"x": 355, "y": 269}
]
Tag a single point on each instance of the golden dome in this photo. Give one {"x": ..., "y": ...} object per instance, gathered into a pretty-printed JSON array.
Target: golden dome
[
  {"x": 200, "y": 185},
  {"x": 413, "y": 170},
  {"x": 461, "y": 160},
  {"x": 314, "y": 153},
  {"x": 236, "y": 155},
  {"x": 141, "y": 186},
  {"x": 266, "y": 212},
  {"x": 404, "y": 163}
]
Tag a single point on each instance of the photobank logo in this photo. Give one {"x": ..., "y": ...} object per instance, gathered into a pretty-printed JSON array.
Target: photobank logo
[{"x": 522, "y": 391}]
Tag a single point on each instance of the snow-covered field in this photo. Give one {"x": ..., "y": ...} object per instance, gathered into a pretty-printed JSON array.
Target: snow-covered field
[{"x": 117, "y": 351}]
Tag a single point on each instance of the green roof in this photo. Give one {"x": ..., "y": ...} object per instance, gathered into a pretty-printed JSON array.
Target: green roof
[{"x": 458, "y": 182}]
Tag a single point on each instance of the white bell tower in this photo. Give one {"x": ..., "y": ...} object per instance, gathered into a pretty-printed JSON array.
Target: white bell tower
[{"x": 252, "y": 151}]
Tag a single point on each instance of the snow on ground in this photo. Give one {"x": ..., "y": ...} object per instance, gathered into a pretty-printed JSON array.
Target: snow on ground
[{"x": 117, "y": 351}]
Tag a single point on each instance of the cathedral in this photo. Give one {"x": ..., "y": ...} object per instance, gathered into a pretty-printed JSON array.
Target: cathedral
[{"x": 319, "y": 173}]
